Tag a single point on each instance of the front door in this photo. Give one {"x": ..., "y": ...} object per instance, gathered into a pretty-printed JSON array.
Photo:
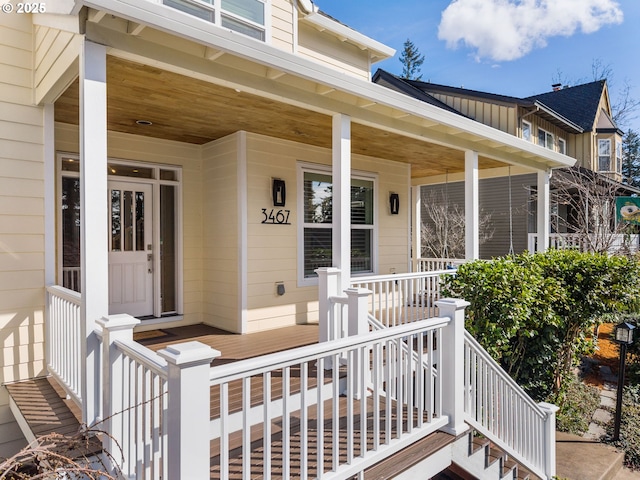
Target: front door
[{"x": 130, "y": 248}]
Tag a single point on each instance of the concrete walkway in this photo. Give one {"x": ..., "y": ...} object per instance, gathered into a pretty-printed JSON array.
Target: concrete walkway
[{"x": 585, "y": 458}]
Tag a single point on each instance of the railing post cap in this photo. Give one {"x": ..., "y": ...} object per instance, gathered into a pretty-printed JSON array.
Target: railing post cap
[
  {"x": 456, "y": 303},
  {"x": 359, "y": 292},
  {"x": 189, "y": 354},
  {"x": 121, "y": 321},
  {"x": 327, "y": 270},
  {"x": 548, "y": 408}
]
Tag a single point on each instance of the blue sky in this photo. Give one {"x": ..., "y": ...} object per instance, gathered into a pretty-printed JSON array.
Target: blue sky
[{"x": 510, "y": 47}]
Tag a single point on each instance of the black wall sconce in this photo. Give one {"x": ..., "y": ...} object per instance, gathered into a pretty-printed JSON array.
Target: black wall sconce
[
  {"x": 279, "y": 193},
  {"x": 394, "y": 203}
]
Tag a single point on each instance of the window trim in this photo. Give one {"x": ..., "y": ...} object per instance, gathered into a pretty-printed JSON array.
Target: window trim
[
  {"x": 524, "y": 122},
  {"x": 563, "y": 142},
  {"x": 608, "y": 157},
  {"x": 303, "y": 167},
  {"x": 618, "y": 156}
]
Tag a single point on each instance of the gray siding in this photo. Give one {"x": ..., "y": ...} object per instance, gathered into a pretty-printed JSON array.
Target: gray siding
[{"x": 494, "y": 199}]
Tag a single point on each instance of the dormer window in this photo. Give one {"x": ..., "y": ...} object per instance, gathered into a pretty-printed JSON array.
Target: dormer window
[{"x": 243, "y": 16}]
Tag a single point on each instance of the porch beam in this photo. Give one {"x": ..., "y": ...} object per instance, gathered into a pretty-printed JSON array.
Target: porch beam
[
  {"x": 471, "y": 205},
  {"x": 341, "y": 171},
  {"x": 544, "y": 211},
  {"x": 93, "y": 214}
]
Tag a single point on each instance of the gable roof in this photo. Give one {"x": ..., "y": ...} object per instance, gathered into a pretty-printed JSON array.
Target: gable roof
[
  {"x": 572, "y": 108},
  {"x": 579, "y": 103}
]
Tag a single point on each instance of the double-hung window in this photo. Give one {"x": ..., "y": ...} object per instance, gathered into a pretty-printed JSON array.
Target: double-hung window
[
  {"x": 316, "y": 204},
  {"x": 618, "y": 156},
  {"x": 526, "y": 131},
  {"x": 545, "y": 139},
  {"x": 604, "y": 155},
  {"x": 244, "y": 16},
  {"x": 562, "y": 146}
]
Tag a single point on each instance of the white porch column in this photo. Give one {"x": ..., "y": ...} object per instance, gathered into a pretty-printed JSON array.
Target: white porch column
[
  {"x": 417, "y": 227},
  {"x": 93, "y": 214},
  {"x": 342, "y": 198},
  {"x": 471, "y": 206},
  {"x": 544, "y": 211}
]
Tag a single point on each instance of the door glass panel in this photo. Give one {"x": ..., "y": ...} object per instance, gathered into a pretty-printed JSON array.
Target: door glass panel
[
  {"x": 168, "y": 248},
  {"x": 71, "y": 233},
  {"x": 127, "y": 214},
  {"x": 140, "y": 243},
  {"x": 116, "y": 224}
]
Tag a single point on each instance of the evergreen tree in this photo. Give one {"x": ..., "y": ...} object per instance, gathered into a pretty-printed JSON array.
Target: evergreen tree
[
  {"x": 411, "y": 61},
  {"x": 631, "y": 158}
]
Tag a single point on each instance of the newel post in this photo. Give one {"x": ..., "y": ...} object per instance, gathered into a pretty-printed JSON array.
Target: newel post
[
  {"x": 549, "y": 438},
  {"x": 188, "y": 409},
  {"x": 114, "y": 328},
  {"x": 358, "y": 324},
  {"x": 328, "y": 278},
  {"x": 452, "y": 345}
]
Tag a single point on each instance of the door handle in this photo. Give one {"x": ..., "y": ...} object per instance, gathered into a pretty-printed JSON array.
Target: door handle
[{"x": 149, "y": 263}]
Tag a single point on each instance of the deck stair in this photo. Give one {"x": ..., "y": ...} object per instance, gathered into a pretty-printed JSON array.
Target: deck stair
[{"x": 473, "y": 452}]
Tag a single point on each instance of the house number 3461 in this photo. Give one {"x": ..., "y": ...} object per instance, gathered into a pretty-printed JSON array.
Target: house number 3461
[{"x": 275, "y": 217}]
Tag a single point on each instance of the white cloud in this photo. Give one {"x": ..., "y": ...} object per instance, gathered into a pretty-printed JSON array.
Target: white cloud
[{"x": 503, "y": 30}]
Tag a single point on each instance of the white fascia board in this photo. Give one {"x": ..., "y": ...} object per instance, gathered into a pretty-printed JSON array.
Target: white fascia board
[
  {"x": 378, "y": 50},
  {"x": 67, "y": 23},
  {"x": 197, "y": 30},
  {"x": 63, "y": 7}
]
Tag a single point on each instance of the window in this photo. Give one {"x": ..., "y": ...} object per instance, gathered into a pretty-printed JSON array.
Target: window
[
  {"x": 545, "y": 139},
  {"x": 317, "y": 222},
  {"x": 526, "y": 131},
  {"x": 244, "y": 16},
  {"x": 618, "y": 156},
  {"x": 604, "y": 155},
  {"x": 562, "y": 146}
]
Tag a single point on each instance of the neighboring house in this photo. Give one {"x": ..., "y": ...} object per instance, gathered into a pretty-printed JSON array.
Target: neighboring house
[
  {"x": 575, "y": 121},
  {"x": 188, "y": 162}
]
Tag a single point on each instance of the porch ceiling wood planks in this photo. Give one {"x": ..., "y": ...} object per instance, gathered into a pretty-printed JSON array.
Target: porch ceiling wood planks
[{"x": 191, "y": 110}]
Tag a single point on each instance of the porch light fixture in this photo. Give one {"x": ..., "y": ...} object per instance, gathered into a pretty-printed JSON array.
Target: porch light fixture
[
  {"x": 394, "y": 203},
  {"x": 144, "y": 123},
  {"x": 278, "y": 192},
  {"x": 623, "y": 336}
]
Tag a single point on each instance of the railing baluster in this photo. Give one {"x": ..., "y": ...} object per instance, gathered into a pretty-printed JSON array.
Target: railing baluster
[
  {"x": 320, "y": 418},
  {"x": 246, "y": 428},
  {"x": 286, "y": 422},
  {"x": 266, "y": 436},
  {"x": 304, "y": 420}
]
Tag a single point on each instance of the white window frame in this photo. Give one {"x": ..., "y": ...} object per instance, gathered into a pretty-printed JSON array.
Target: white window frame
[
  {"x": 302, "y": 168},
  {"x": 156, "y": 182},
  {"x": 529, "y": 129},
  {"x": 601, "y": 157},
  {"x": 217, "y": 12},
  {"x": 618, "y": 156},
  {"x": 548, "y": 138},
  {"x": 562, "y": 146}
]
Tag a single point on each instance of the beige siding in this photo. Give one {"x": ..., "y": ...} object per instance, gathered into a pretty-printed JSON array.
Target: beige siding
[
  {"x": 146, "y": 149},
  {"x": 21, "y": 221},
  {"x": 282, "y": 22},
  {"x": 221, "y": 238},
  {"x": 273, "y": 249},
  {"x": 332, "y": 52},
  {"x": 54, "y": 56}
]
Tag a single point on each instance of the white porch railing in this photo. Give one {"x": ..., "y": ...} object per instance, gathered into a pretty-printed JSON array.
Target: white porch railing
[
  {"x": 377, "y": 402},
  {"x": 63, "y": 340},
  {"x": 496, "y": 406},
  {"x": 434, "y": 264},
  {"x": 619, "y": 243},
  {"x": 402, "y": 298},
  {"x": 71, "y": 277}
]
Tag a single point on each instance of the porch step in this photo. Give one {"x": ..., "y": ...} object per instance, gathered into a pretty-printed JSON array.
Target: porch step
[
  {"x": 40, "y": 408},
  {"x": 476, "y": 458}
]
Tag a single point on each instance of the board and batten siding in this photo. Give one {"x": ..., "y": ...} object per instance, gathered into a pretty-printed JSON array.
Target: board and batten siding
[
  {"x": 272, "y": 250},
  {"x": 21, "y": 221},
  {"x": 494, "y": 200},
  {"x": 500, "y": 116},
  {"x": 122, "y": 146}
]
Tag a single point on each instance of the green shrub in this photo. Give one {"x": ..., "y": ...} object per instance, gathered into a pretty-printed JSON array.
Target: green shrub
[
  {"x": 535, "y": 313},
  {"x": 630, "y": 427}
]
